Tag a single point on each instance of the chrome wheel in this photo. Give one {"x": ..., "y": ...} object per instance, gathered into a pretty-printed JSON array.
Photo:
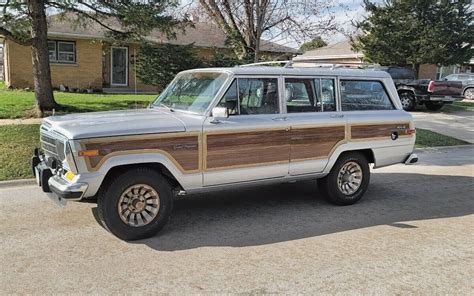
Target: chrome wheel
[
  {"x": 138, "y": 205},
  {"x": 469, "y": 94},
  {"x": 406, "y": 102},
  {"x": 349, "y": 178}
]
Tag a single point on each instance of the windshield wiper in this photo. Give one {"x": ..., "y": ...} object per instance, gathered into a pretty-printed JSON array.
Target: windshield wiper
[{"x": 166, "y": 107}]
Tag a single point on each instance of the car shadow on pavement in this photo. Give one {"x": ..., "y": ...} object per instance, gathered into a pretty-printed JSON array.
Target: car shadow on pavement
[{"x": 285, "y": 212}]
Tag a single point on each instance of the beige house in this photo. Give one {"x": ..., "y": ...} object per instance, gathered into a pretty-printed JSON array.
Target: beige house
[
  {"x": 342, "y": 52},
  {"x": 83, "y": 58}
]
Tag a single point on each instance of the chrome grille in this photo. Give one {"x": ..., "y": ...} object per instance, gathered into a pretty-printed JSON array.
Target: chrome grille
[{"x": 48, "y": 144}]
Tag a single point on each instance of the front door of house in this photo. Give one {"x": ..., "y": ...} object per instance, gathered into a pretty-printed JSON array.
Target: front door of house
[{"x": 119, "y": 66}]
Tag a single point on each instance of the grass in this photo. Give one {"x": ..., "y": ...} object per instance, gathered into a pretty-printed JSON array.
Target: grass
[
  {"x": 458, "y": 106},
  {"x": 426, "y": 138},
  {"x": 16, "y": 148},
  {"x": 20, "y": 103},
  {"x": 18, "y": 141}
]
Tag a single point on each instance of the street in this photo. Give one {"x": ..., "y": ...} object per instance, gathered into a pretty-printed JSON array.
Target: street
[{"x": 411, "y": 233}]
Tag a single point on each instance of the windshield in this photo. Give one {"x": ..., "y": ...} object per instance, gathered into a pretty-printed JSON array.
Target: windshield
[{"x": 192, "y": 91}]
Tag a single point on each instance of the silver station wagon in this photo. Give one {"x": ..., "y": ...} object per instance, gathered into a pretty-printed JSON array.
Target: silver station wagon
[{"x": 220, "y": 128}]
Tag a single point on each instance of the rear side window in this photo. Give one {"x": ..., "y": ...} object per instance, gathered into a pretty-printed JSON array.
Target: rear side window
[
  {"x": 309, "y": 95},
  {"x": 359, "y": 95}
]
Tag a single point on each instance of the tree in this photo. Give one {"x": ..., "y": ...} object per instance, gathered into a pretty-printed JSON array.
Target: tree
[
  {"x": 313, "y": 44},
  {"x": 403, "y": 32},
  {"x": 26, "y": 23},
  {"x": 246, "y": 22},
  {"x": 157, "y": 65}
]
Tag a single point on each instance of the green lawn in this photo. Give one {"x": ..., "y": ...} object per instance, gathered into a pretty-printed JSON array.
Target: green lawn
[
  {"x": 458, "y": 106},
  {"x": 18, "y": 141},
  {"x": 20, "y": 103},
  {"x": 426, "y": 138}
]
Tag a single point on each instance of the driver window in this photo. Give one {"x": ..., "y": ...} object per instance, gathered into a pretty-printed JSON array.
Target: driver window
[{"x": 248, "y": 96}]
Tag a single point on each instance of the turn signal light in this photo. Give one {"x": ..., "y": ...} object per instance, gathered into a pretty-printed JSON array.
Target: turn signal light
[{"x": 89, "y": 153}]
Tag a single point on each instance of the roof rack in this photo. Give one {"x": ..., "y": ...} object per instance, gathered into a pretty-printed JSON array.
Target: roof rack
[{"x": 312, "y": 64}]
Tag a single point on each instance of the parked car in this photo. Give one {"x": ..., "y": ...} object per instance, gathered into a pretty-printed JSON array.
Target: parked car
[
  {"x": 467, "y": 80},
  {"x": 225, "y": 128},
  {"x": 432, "y": 94}
]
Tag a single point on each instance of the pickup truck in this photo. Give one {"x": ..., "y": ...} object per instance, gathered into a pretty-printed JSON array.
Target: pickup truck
[{"x": 432, "y": 94}]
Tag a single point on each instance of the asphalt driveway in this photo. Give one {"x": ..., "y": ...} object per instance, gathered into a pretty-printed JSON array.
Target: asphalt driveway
[{"x": 411, "y": 234}]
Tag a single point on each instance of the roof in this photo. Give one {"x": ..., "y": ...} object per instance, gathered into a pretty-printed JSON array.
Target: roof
[
  {"x": 270, "y": 71},
  {"x": 204, "y": 34},
  {"x": 340, "y": 50}
]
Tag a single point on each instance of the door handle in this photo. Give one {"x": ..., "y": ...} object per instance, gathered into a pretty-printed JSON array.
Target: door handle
[
  {"x": 336, "y": 115},
  {"x": 280, "y": 118}
]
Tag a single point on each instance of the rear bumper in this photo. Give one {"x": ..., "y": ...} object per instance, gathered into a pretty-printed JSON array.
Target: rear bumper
[{"x": 411, "y": 159}]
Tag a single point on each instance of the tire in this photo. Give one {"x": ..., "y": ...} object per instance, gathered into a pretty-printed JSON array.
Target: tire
[
  {"x": 146, "y": 199},
  {"x": 408, "y": 100},
  {"x": 469, "y": 93},
  {"x": 433, "y": 106},
  {"x": 332, "y": 186}
]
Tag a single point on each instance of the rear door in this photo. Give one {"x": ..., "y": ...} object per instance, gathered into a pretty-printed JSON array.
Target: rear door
[{"x": 316, "y": 126}]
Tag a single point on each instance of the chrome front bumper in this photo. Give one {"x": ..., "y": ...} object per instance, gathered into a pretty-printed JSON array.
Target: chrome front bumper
[{"x": 66, "y": 190}]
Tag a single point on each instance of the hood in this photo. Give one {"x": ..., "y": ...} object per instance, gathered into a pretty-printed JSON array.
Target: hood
[{"x": 115, "y": 123}]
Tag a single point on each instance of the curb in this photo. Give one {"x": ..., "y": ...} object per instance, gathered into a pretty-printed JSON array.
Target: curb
[
  {"x": 437, "y": 148},
  {"x": 17, "y": 183}
]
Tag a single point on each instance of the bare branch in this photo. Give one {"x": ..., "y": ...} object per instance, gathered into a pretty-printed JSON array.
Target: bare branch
[{"x": 9, "y": 35}]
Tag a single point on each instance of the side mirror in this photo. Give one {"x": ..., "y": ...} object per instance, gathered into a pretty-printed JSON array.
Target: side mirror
[{"x": 220, "y": 112}]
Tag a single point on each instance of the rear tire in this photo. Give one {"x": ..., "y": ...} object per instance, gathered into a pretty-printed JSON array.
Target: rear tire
[
  {"x": 347, "y": 181},
  {"x": 433, "y": 106},
  {"x": 408, "y": 101},
  {"x": 135, "y": 204}
]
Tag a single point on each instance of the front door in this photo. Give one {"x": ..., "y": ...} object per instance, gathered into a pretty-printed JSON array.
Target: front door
[
  {"x": 252, "y": 143},
  {"x": 119, "y": 66}
]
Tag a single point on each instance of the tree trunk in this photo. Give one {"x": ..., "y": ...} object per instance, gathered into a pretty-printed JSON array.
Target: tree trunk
[
  {"x": 416, "y": 69},
  {"x": 40, "y": 57}
]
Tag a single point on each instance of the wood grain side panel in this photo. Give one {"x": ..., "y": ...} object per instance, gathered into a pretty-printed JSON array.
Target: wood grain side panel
[
  {"x": 378, "y": 130},
  {"x": 246, "y": 148},
  {"x": 315, "y": 142},
  {"x": 183, "y": 149}
]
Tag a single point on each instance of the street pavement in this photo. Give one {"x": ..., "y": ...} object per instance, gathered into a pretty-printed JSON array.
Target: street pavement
[
  {"x": 411, "y": 234},
  {"x": 459, "y": 125}
]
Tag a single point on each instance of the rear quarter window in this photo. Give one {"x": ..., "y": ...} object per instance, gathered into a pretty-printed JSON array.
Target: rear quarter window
[{"x": 361, "y": 95}]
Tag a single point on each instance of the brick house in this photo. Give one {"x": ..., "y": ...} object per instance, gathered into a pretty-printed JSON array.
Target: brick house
[
  {"x": 342, "y": 52},
  {"x": 82, "y": 57}
]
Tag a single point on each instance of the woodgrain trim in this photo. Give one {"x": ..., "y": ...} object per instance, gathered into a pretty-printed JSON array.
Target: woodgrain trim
[
  {"x": 245, "y": 148},
  {"x": 183, "y": 149},
  {"x": 379, "y": 131},
  {"x": 315, "y": 142}
]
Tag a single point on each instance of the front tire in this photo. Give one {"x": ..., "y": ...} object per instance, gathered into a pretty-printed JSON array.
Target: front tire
[
  {"x": 408, "y": 101},
  {"x": 347, "y": 181},
  {"x": 135, "y": 204}
]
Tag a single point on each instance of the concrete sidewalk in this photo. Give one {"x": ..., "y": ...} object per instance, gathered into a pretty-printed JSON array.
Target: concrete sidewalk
[
  {"x": 20, "y": 121},
  {"x": 459, "y": 125}
]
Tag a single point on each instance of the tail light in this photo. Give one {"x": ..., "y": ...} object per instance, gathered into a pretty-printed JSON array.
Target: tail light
[
  {"x": 431, "y": 86},
  {"x": 410, "y": 131}
]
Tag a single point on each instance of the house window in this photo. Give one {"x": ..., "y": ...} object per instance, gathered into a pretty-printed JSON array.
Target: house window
[{"x": 62, "y": 52}]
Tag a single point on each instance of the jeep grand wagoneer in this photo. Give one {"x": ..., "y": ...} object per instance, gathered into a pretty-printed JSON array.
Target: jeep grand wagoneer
[{"x": 214, "y": 129}]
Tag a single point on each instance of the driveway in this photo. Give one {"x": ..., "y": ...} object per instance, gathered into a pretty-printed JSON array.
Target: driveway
[
  {"x": 459, "y": 125},
  {"x": 411, "y": 234}
]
